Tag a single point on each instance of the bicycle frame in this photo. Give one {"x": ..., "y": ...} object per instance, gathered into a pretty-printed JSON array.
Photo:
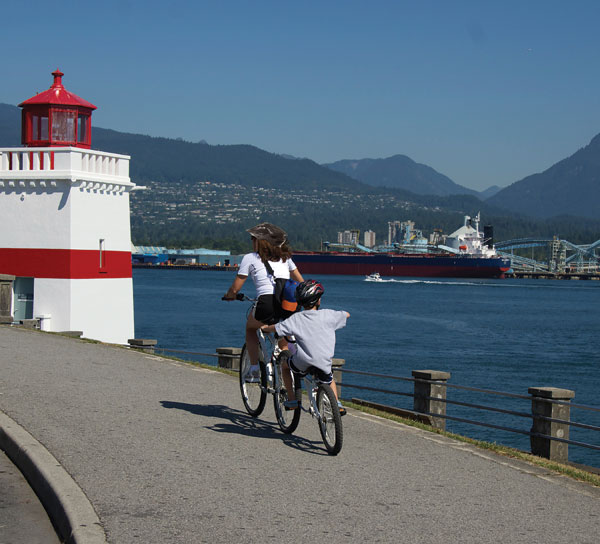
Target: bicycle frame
[
  {"x": 311, "y": 390},
  {"x": 322, "y": 405},
  {"x": 269, "y": 350}
]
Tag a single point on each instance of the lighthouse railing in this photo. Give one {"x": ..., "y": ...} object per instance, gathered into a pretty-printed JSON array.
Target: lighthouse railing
[{"x": 30, "y": 162}]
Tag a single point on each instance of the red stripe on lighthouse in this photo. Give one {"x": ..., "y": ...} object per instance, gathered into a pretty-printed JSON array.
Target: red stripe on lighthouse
[{"x": 65, "y": 263}]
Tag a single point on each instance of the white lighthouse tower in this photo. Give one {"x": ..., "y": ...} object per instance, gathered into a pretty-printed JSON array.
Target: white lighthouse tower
[{"x": 64, "y": 222}]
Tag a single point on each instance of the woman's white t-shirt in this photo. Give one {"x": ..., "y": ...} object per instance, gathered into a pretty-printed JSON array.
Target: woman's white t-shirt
[{"x": 252, "y": 266}]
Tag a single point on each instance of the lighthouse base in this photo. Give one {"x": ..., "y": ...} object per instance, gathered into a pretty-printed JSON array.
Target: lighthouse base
[{"x": 101, "y": 308}]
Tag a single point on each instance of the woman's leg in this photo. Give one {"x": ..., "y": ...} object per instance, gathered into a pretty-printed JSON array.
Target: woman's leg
[
  {"x": 252, "y": 325},
  {"x": 286, "y": 373}
]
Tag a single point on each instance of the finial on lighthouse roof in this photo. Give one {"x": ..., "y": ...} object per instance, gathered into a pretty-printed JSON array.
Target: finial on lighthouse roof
[{"x": 57, "y": 78}]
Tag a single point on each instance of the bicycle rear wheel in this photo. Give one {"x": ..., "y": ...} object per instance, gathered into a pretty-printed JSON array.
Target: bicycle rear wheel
[
  {"x": 254, "y": 395},
  {"x": 330, "y": 421},
  {"x": 288, "y": 419}
]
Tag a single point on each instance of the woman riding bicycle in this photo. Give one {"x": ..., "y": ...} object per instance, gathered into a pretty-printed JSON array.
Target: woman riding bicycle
[{"x": 269, "y": 244}]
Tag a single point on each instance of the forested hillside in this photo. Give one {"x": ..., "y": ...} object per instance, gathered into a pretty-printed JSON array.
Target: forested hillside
[{"x": 163, "y": 160}]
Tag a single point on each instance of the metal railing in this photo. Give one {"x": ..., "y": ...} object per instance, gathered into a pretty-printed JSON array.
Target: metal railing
[
  {"x": 538, "y": 419},
  {"x": 432, "y": 404}
]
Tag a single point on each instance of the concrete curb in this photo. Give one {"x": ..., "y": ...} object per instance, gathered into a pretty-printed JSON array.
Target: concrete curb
[{"x": 67, "y": 506}]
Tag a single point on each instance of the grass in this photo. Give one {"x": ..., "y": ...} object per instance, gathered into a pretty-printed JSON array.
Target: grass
[{"x": 559, "y": 468}]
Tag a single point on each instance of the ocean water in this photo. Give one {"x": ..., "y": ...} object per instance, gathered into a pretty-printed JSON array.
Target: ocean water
[{"x": 503, "y": 335}]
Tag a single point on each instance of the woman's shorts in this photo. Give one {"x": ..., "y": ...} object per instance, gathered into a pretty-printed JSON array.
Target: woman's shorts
[
  {"x": 264, "y": 311},
  {"x": 319, "y": 374}
]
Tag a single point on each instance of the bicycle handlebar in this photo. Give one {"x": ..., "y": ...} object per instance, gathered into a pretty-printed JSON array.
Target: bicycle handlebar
[{"x": 238, "y": 296}]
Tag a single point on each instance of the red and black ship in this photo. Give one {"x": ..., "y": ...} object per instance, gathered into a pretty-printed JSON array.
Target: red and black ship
[
  {"x": 466, "y": 253},
  {"x": 427, "y": 265}
]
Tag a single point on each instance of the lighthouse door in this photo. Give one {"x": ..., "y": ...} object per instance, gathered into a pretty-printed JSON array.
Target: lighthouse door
[{"x": 23, "y": 298}]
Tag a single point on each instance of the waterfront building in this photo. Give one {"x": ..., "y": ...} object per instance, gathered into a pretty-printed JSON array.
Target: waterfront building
[
  {"x": 369, "y": 238},
  {"x": 157, "y": 255},
  {"x": 65, "y": 236},
  {"x": 349, "y": 237}
]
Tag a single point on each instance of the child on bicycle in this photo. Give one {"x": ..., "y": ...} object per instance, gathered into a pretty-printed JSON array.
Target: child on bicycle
[{"x": 314, "y": 333}]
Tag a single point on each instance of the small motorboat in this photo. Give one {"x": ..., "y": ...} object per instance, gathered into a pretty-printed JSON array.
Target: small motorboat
[{"x": 373, "y": 277}]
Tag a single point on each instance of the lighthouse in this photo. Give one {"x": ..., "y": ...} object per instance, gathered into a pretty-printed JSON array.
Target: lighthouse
[{"x": 65, "y": 238}]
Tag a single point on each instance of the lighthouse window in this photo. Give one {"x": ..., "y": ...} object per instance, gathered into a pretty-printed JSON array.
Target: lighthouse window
[
  {"x": 39, "y": 128},
  {"x": 63, "y": 126},
  {"x": 44, "y": 127},
  {"x": 102, "y": 256},
  {"x": 82, "y": 128}
]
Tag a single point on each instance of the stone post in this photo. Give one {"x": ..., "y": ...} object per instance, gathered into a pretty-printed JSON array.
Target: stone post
[
  {"x": 336, "y": 368},
  {"x": 229, "y": 358},
  {"x": 6, "y": 289},
  {"x": 143, "y": 344},
  {"x": 545, "y": 447},
  {"x": 426, "y": 393}
]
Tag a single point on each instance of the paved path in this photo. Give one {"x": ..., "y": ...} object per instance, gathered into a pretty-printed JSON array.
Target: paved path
[
  {"x": 166, "y": 454},
  {"x": 23, "y": 519}
]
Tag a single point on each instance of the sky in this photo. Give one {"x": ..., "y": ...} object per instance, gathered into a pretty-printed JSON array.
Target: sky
[{"x": 485, "y": 92}]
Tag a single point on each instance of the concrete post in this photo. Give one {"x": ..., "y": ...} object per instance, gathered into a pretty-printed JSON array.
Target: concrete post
[
  {"x": 336, "y": 368},
  {"x": 6, "y": 289},
  {"x": 545, "y": 447},
  {"x": 143, "y": 344},
  {"x": 229, "y": 358},
  {"x": 425, "y": 393}
]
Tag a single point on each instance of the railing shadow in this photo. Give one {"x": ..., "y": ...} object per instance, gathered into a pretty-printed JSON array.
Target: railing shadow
[{"x": 239, "y": 422}]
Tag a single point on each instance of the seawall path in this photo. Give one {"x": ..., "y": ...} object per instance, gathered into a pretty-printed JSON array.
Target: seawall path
[{"x": 166, "y": 454}]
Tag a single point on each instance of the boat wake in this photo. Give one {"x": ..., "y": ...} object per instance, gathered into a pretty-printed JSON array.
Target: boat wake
[{"x": 429, "y": 282}]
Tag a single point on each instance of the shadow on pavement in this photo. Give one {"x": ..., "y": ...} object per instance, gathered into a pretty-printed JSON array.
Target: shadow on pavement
[{"x": 242, "y": 423}]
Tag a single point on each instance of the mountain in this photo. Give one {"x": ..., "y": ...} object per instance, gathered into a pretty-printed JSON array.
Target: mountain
[
  {"x": 570, "y": 187},
  {"x": 201, "y": 195},
  {"x": 400, "y": 172},
  {"x": 489, "y": 192},
  {"x": 165, "y": 160}
]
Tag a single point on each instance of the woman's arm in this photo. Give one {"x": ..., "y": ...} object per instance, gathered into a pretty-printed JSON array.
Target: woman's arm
[
  {"x": 268, "y": 328},
  {"x": 296, "y": 276},
  {"x": 237, "y": 284}
]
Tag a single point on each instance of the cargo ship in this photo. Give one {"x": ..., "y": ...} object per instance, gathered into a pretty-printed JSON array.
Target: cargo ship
[{"x": 466, "y": 253}]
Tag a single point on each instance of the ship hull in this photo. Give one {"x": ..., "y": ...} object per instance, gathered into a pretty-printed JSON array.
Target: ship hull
[{"x": 392, "y": 264}]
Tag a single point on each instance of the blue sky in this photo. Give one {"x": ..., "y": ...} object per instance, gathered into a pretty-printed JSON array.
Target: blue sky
[{"x": 485, "y": 92}]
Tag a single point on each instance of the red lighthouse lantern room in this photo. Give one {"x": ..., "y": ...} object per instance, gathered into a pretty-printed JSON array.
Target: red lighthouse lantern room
[{"x": 56, "y": 118}]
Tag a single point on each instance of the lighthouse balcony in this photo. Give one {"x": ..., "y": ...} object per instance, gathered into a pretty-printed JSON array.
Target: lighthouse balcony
[{"x": 64, "y": 163}]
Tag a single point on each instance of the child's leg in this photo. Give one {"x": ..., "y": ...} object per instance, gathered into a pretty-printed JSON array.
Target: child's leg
[{"x": 334, "y": 389}]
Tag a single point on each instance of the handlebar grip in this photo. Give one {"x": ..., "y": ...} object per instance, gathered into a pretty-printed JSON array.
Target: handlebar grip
[{"x": 238, "y": 296}]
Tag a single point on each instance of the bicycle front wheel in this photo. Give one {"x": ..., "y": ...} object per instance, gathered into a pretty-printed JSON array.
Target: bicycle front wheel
[
  {"x": 254, "y": 395},
  {"x": 288, "y": 419},
  {"x": 330, "y": 420}
]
